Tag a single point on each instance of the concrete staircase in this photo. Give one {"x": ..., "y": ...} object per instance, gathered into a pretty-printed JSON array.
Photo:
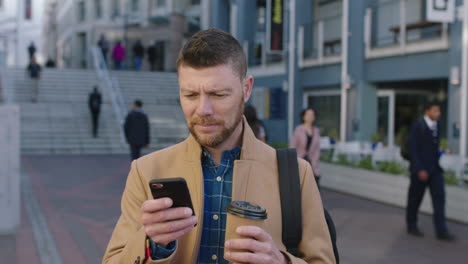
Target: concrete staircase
[{"x": 60, "y": 121}]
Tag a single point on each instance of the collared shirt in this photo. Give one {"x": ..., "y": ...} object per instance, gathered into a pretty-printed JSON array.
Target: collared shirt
[
  {"x": 430, "y": 123},
  {"x": 218, "y": 194},
  {"x": 217, "y": 182}
]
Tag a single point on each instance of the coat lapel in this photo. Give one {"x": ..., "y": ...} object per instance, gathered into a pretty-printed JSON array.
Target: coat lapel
[{"x": 244, "y": 168}]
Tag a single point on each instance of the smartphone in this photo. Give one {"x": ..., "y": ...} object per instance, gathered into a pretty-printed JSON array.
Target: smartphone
[{"x": 174, "y": 188}]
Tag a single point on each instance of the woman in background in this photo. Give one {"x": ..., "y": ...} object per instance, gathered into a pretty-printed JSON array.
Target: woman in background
[
  {"x": 256, "y": 125},
  {"x": 306, "y": 140}
]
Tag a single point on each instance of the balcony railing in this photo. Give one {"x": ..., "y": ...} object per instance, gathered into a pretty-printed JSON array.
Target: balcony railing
[
  {"x": 394, "y": 27},
  {"x": 320, "y": 42}
]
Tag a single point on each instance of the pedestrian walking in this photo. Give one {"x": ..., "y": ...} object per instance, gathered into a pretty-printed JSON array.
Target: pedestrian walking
[
  {"x": 152, "y": 56},
  {"x": 118, "y": 55},
  {"x": 306, "y": 140},
  {"x": 138, "y": 54},
  {"x": 423, "y": 146},
  {"x": 94, "y": 104},
  {"x": 103, "y": 45},
  {"x": 250, "y": 114},
  {"x": 137, "y": 130},
  {"x": 34, "y": 70},
  {"x": 221, "y": 161},
  {"x": 32, "y": 50}
]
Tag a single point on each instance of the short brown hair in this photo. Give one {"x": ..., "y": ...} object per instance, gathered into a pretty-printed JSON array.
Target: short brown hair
[{"x": 213, "y": 47}]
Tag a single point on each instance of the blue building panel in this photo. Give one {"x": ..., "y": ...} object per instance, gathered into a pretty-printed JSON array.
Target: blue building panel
[
  {"x": 434, "y": 65},
  {"x": 321, "y": 76}
]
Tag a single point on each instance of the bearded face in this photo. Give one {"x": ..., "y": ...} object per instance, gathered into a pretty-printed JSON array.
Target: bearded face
[
  {"x": 212, "y": 131},
  {"x": 212, "y": 100}
]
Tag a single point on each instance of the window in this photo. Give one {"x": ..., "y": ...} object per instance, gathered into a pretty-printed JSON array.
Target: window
[
  {"x": 98, "y": 8},
  {"x": 28, "y": 9},
  {"x": 327, "y": 110},
  {"x": 81, "y": 11},
  {"x": 135, "y": 5},
  {"x": 115, "y": 8},
  {"x": 195, "y": 2},
  {"x": 160, "y": 3}
]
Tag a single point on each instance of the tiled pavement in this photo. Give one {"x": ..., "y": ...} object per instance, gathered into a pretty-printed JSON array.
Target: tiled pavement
[{"x": 79, "y": 199}]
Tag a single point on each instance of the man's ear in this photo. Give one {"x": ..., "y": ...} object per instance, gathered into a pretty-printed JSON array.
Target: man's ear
[{"x": 248, "y": 86}]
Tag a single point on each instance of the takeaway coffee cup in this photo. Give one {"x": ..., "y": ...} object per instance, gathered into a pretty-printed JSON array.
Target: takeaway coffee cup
[{"x": 241, "y": 213}]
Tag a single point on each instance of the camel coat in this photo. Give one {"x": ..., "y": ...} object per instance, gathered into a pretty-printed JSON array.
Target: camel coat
[{"x": 255, "y": 179}]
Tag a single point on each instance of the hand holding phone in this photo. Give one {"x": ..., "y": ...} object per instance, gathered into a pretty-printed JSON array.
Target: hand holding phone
[{"x": 169, "y": 216}]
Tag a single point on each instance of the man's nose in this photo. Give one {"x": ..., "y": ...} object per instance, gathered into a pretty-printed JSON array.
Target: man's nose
[{"x": 205, "y": 107}]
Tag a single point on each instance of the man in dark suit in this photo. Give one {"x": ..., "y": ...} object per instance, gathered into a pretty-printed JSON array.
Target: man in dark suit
[
  {"x": 94, "y": 104},
  {"x": 423, "y": 145},
  {"x": 137, "y": 129}
]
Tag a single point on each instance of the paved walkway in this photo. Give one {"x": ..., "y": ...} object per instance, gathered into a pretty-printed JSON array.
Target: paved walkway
[{"x": 71, "y": 203}]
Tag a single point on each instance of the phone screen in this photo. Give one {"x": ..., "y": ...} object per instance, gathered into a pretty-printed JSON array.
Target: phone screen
[{"x": 174, "y": 188}]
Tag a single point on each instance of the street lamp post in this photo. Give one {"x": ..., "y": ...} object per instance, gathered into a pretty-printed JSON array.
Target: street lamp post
[{"x": 464, "y": 83}]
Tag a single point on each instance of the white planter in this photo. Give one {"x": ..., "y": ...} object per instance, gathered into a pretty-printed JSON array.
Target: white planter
[
  {"x": 9, "y": 169},
  {"x": 390, "y": 189}
]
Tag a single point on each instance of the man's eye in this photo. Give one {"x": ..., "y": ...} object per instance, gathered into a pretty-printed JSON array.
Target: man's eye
[
  {"x": 190, "y": 95},
  {"x": 219, "y": 95}
]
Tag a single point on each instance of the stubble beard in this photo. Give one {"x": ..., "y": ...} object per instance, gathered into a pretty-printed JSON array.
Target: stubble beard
[{"x": 220, "y": 137}]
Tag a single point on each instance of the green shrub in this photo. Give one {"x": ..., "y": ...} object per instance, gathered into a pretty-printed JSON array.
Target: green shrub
[
  {"x": 333, "y": 134},
  {"x": 279, "y": 145},
  {"x": 343, "y": 160},
  {"x": 443, "y": 145},
  {"x": 391, "y": 167},
  {"x": 450, "y": 178},
  {"x": 366, "y": 163},
  {"x": 327, "y": 155},
  {"x": 375, "y": 137}
]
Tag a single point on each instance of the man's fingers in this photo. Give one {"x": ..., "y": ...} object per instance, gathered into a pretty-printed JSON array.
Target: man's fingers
[
  {"x": 248, "y": 257},
  {"x": 254, "y": 232},
  {"x": 169, "y": 237},
  {"x": 171, "y": 226},
  {"x": 166, "y": 215},
  {"x": 247, "y": 244},
  {"x": 155, "y": 205}
]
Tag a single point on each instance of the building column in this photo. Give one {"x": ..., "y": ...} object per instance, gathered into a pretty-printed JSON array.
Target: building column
[
  {"x": 220, "y": 13},
  {"x": 362, "y": 104},
  {"x": 246, "y": 22},
  {"x": 453, "y": 93}
]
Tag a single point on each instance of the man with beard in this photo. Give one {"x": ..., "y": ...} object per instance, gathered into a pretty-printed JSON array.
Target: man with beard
[{"x": 221, "y": 161}]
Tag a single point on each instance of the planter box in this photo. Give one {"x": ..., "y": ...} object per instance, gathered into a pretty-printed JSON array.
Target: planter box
[
  {"x": 390, "y": 189},
  {"x": 9, "y": 169}
]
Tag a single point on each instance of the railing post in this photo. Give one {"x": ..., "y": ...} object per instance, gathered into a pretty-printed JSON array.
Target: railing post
[
  {"x": 300, "y": 46},
  {"x": 320, "y": 41},
  {"x": 445, "y": 31},
  {"x": 402, "y": 24},
  {"x": 368, "y": 31}
]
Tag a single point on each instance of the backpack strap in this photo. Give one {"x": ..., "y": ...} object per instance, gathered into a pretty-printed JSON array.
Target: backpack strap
[{"x": 290, "y": 195}]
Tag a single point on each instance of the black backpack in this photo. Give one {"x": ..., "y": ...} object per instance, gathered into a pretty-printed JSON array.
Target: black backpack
[{"x": 291, "y": 209}]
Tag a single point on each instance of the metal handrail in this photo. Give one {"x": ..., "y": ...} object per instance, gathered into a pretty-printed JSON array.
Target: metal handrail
[
  {"x": 7, "y": 87},
  {"x": 112, "y": 88}
]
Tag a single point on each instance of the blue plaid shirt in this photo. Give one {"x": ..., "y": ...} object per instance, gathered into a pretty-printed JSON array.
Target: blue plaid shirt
[{"x": 218, "y": 194}]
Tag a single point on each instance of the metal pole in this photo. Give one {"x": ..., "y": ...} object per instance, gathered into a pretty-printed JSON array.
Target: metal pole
[
  {"x": 464, "y": 83},
  {"x": 344, "y": 71},
  {"x": 127, "y": 8},
  {"x": 292, "y": 65}
]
